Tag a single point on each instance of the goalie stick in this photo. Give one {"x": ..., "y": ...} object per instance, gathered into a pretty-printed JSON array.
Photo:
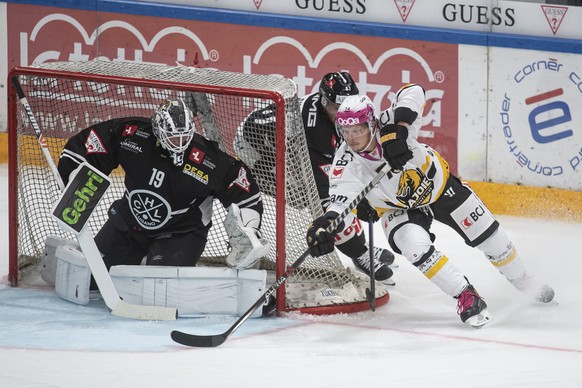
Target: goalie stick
[
  {"x": 117, "y": 306},
  {"x": 210, "y": 341}
]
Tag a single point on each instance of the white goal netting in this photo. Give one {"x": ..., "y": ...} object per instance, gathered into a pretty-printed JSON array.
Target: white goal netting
[{"x": 66, "y": 97}]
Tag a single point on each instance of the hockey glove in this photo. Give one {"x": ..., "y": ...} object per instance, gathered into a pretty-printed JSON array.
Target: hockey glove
[
  {"x": 366, "y": 212},
  {"x": 393, "y": 138},
  {"x": 319, "y": 240},
  {"x": 247, "y": 245}
]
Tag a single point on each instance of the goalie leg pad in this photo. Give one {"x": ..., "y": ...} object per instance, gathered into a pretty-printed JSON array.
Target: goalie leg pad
[
  {"x": 48, "y": 272},
  {"x": 247, "y": 246},
  {"x": 73, "y": 275},
  {"x": 194, "y": 291}
]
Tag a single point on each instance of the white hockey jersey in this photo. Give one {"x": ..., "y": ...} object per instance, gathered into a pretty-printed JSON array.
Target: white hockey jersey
[{"x": 420, "y": 183}]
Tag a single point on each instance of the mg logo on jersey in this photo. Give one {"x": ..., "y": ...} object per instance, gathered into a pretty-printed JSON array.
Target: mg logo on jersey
[{"x": 150, "y": 210}]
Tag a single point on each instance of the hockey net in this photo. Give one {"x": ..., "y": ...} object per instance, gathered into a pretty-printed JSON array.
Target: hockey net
[{"x": 66, "y": 97}]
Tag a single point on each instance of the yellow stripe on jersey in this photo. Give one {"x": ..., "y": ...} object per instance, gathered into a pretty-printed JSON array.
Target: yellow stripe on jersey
[
  {"x": 436, "y": 267},
  {"x": 446, "y": 173},
  {"x": 506, "y": 261}
]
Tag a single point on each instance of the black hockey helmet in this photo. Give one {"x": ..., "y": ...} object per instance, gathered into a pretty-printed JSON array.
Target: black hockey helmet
[
  {"x": 173, "y": 125},
  {"x": 256, "y": 134},
  {"x": 262, "y": 118},
  {"x": 335, "y": 87}
]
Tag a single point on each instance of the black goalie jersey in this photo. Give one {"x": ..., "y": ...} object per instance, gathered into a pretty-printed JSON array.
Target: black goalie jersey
[{"x": 160, "y": 197}]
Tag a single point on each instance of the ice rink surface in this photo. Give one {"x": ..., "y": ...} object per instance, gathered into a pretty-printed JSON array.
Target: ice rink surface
[{"x": 416, "y": 340}]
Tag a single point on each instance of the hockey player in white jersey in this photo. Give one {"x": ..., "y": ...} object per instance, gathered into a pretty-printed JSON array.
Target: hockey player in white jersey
[
  {"x": 418, "y": 189},
  {"x": 255, "y": 145}
]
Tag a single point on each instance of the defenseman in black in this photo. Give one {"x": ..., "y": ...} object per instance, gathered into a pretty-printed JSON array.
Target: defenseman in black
[
  {"x": 255, "y": 144},
  {"x": 172, "y": 176}
]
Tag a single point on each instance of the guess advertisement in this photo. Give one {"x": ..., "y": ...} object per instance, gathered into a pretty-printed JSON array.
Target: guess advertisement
[{"x": 380, "y": 66}]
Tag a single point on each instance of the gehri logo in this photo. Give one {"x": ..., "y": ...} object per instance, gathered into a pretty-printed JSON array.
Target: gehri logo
[{"x": 149, "y": 209}]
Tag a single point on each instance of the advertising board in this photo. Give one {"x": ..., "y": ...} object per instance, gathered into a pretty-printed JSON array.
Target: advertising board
[
  {"x": 535, "y": 130},
  {"x": 379, "y": 65}
]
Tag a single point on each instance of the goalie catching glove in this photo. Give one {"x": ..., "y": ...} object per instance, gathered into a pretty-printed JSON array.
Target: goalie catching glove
[
  {"x": 247, "y": 246},
  {"x": 393, "y": 138},
  {"x": 319, "y": 240}
]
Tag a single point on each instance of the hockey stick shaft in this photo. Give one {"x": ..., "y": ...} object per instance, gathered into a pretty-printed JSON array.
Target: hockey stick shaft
[
  {"x": 218, "y": 339},
  {"x": 371, "y": 292},
  {"x": 88, "y": 246}
]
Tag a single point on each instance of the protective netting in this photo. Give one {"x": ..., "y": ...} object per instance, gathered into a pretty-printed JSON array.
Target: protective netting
[{"x": 66, "y": 97}]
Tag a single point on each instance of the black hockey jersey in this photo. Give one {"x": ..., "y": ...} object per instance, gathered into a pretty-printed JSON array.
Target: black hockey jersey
[
  {"x": 322, "y": 141},
  {"x": 159, "y": 196}
]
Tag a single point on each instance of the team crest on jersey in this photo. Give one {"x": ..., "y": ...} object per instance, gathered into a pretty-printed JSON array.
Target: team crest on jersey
[
  {"x": 150, "y": 210},
  {"x": 129, "y": 130},
  {"x": 414, "y": 188},
  {"x": 94, "y": 145},
  {"x": 196, "y": 155},
  {"x": 242, "y": 180},
  {"x": 337, "y": 172}
]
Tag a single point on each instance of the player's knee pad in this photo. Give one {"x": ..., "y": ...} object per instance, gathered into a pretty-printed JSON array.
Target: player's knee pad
[
  {"x": 502, "y": 254},
  {"x": 412, "y": 241}
]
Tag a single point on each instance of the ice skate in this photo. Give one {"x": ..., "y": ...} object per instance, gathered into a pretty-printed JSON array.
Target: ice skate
[
  {"x": 532, "y": 287},
  {"x": 382, "y": 259},
  {"x": 472, "y": 308}
]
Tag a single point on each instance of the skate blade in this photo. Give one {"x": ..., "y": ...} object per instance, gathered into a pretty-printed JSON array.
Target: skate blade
[{"x": 479, "y": 320}]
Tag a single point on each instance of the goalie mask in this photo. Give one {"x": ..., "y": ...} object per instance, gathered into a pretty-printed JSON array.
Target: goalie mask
[
  {"x": 335, "y": 87},
  {"x": 173, "y": 126},
  {"x": 355, "y": 121}
]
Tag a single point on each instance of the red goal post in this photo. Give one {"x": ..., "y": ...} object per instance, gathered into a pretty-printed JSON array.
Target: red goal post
[{"x": 66, "y": 97}]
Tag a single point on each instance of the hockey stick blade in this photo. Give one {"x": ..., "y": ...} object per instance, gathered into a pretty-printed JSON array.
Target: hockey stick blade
[{"x": 198, "y": 341}]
